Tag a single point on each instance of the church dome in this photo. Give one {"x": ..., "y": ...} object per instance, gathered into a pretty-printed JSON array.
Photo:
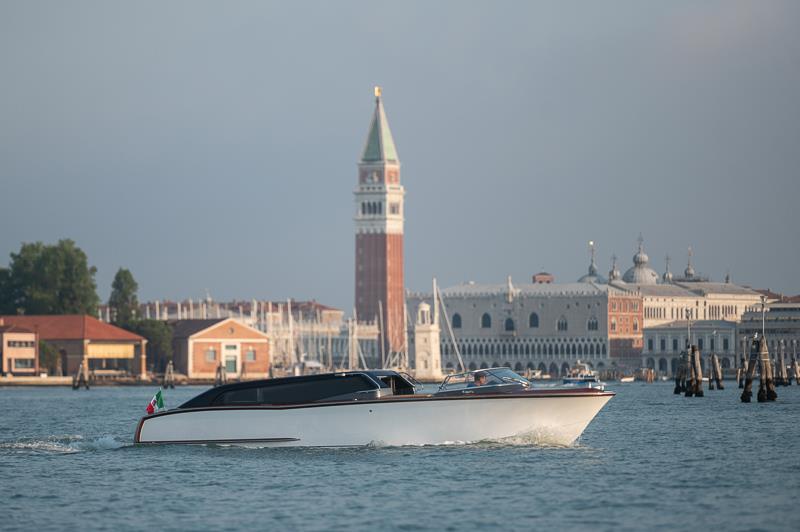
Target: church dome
[
  {"x": 613, "y": 274},
  {"x": 667, "y": 277},
  {"x": 688, "y": 273},
  {"x": 640, "y": 273},
  {"x": 592, "y": 276}
]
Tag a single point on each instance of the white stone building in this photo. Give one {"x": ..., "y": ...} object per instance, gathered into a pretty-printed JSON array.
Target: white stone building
[
  {"x": 545, "y": 326},
  {"x": 664, "y": 343}
]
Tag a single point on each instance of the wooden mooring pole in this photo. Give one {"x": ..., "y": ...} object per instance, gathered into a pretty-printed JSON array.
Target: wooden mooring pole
[
  {"x": 681, "y": 374},
  {"x": 169, "y": 376},
  {"x": 221, "y": 376},
  {"x": 747, "y": 393},
  {"x": 698, "y": 372},
  {"x": 766, "y": 384},
  {"x": 782, "y": 374},
  {"x": 741, "y": 371},
  {"x": 81, "y": 377},
  {"x": 715, "y": 373}
]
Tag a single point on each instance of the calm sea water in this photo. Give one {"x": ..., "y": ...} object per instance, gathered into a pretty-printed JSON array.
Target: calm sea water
[{"x": 650, "y": 460}]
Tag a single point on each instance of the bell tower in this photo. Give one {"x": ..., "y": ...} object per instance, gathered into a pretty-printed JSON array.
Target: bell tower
[{"x": 380, "y": 292}]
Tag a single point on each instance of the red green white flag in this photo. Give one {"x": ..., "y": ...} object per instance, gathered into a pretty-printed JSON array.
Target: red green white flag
[{"x": 156, "y": 403}]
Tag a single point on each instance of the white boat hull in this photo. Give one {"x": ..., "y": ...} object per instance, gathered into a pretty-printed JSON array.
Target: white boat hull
[{"x": 556, "y": 418}]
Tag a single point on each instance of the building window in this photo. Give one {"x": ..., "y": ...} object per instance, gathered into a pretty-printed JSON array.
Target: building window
[
  {"x": 663, "y": 344},
  {"x": 23, "y": 363},
  {"x": 533, "y": 320},
  {"x": 509, "y": 325},
  {"x": 251, "y": 355},
  {"x": 562, "y": 324},
  {"x": 725, "y": 344},
  {"x": 649, "y": 344},
  {"x": 613, "y": 324},
  {"x": 486, "y": 321},
  {"x": 394, "y": 208},
  {"x": 635, "y": 306},
  {"x": 613, "y": 305},
  {"x": 211, "y": 354},
  {"x": 700, "y": 344},
  {"x": 712, "y": 345},
  {"x": 635, "y": 325},
  {"x": 674, "y": 344},
  {"x": 592, "y": 325},
  {"x": 456, "y": 321}
]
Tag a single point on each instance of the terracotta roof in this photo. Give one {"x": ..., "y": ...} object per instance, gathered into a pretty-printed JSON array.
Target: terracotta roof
[
  {"x": 71, "y": 327},
  {"x": 14, "y": 328}
]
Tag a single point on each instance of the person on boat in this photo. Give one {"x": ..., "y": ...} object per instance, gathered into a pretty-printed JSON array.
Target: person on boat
[{"x": 479, "y": 380}]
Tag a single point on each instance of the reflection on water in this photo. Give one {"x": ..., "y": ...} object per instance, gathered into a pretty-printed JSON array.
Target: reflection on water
[{"x": 649, "y": 460}]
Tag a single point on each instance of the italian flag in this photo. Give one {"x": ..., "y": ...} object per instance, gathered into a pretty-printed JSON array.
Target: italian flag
[{"x": 156, "y": 403}]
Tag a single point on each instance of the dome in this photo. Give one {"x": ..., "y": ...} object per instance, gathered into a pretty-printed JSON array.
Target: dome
[
  {"x": 613, "y": 274},
  {"x": 640, "y": 273},
  {"x": 667, "y": 277},
  {"x": 592, "y": 276},
  {"x": 688, "y": 273}
]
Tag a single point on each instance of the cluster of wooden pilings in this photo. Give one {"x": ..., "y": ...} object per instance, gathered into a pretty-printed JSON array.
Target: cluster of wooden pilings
[
  {"x": 689, "y": 377},
  {"x": 81, "y": 377},
  {"x": 759, "y": 355}
]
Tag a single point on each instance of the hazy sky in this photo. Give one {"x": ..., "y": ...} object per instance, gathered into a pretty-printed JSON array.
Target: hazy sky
[{"x": 213, "y": 145}]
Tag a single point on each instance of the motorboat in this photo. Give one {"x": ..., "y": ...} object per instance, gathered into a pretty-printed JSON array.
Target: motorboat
[
  {"x": 582, "y": 375},
  {"x": 381, "y": 407},
  {"x": 627, "y": 379}
]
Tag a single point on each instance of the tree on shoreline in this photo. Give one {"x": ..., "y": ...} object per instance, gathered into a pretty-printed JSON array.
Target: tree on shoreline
[
  {"x": 49, "y": 279},
  {"x": 123, "y": 301}
]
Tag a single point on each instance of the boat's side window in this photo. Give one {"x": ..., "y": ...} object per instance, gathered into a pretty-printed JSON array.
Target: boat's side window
[
  {"x": 310, "y": 391},
  {"x": 247, "y": 396}
]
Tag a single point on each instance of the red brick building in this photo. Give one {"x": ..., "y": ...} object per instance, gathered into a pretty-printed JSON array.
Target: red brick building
[
  {"x": 625, "y": 327},
  {"x": 200, "y": 346},
  {"x": 379, "y": 233}
]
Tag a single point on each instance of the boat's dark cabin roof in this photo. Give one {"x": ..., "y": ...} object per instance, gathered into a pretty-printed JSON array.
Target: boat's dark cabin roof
[{"x": 342, "y": 386}]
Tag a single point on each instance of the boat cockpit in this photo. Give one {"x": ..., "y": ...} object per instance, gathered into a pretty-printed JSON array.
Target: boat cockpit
[
  {"x": 483, "y": 381},
  {"x": 345, "y": 386}
]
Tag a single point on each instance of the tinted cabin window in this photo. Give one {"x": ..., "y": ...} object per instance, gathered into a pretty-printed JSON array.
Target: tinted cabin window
[
  {"x": 248, "y": 396},
  {"x": 296, "y": 392}
]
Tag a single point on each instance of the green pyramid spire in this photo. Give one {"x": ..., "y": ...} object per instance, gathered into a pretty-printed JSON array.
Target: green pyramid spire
[{"x": 380, "y": 144}]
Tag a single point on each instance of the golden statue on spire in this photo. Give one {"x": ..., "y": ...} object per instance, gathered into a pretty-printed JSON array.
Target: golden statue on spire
[{"x": 377, "y": 91}]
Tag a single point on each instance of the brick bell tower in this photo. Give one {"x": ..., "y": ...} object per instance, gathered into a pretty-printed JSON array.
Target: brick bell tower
[{"x": 379, "y": 232}]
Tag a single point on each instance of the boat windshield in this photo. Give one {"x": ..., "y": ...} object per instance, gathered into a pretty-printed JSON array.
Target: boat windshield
[{"x": 482, "y": 377}]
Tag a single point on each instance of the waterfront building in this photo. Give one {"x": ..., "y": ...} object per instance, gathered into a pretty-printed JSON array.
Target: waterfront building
[
  {"x": 200, "y": 346},
  {"x": 19, "y": 350},
  {"x": 781, "y": 327},
  {"x": 107, "y": 350},
  {"x": 664, "y": 343},
  {"x": 379, "y": 287},
  {"x": 542, "y": 325},
  {"x": 426, "y": 343},
  {"x": 300, "y": 332},
  {"x": 667, "y": 298}
]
